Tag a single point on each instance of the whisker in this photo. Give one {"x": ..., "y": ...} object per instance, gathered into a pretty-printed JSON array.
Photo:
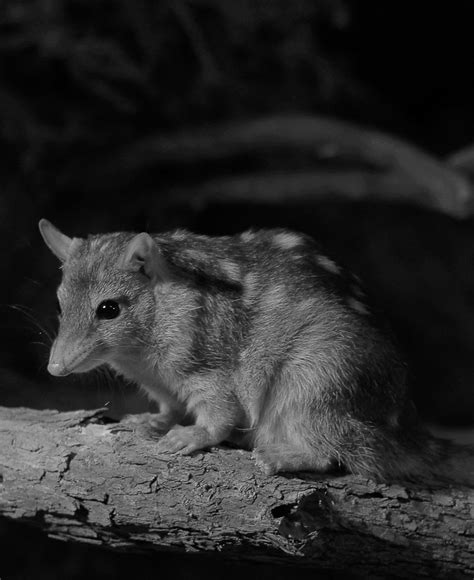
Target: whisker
[
  {"x": 40, "y": 343},
  {"x": 36, "y": 282},
  {"x": 27, "y": 313}
]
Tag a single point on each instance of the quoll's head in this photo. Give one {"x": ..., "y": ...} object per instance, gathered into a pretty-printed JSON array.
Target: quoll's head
[{"x": 105, "y": 296}]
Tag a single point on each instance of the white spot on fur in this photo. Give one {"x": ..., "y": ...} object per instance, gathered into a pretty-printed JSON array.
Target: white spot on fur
[
  {"x": 286, "y": 240},
  {"x": 192, "y": 254},
  {"x": 230, "y": 269},
  {"x": 357, "y": 306},
  {"x": 179, "y": 235},
  {"x": 94, "y": 245},
  {"x": 328, "y": 265},
  {"x": 247, "y": 236}
]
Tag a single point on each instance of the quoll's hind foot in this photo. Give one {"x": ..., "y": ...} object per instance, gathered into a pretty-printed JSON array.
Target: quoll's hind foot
[
  {"x": 185, "y": 440},
  {"x": 275, "y": 458},
  {"x": 264, "y": 463}
]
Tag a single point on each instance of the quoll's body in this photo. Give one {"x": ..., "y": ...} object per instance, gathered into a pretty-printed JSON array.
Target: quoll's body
[{"x": 257, "y": 337}]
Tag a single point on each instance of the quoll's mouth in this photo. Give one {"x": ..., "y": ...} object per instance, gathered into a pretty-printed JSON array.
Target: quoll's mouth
[{"x": 80, "y": 362}]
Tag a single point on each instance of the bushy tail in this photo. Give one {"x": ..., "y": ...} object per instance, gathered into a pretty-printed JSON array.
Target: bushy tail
[
  {"x": 451, "y": 462},
  {"x": 417, "y": 456}
]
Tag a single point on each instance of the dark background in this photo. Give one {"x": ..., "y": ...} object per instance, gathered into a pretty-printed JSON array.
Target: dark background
[{"x": 82, "y": 82}]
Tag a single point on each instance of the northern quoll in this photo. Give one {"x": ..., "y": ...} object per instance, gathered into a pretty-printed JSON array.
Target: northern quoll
[{"x": 258, "y": 337}]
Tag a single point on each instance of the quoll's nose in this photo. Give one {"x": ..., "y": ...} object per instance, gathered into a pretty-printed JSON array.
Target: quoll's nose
[{"x": 56, "y": 369}]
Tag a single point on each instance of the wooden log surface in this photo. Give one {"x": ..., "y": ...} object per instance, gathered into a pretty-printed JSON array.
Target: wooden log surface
[{"x": 83, "y": 478}]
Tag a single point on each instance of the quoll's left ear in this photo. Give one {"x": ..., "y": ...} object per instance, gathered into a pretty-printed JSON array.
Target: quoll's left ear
[{"x": 142, "y": 253}]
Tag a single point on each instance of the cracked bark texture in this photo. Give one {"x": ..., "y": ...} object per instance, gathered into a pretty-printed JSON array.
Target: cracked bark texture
[{"x": 82, "y": 479}]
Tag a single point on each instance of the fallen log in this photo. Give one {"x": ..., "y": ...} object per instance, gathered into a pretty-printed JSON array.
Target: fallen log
[{"x": 81, "y": 478}]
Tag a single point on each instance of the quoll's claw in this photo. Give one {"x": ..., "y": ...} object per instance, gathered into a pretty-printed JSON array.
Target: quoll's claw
[
  {"x": 161, "y": 423},
  {"x": 178, "y": 440},
  {"x": 147, "y": 425}
]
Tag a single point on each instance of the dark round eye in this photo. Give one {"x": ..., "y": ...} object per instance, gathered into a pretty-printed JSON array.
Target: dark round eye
[{"x": 108, "y": 309}]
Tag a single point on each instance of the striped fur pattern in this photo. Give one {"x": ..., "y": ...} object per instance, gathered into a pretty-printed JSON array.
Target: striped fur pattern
[{"x": 257, "y": 338}]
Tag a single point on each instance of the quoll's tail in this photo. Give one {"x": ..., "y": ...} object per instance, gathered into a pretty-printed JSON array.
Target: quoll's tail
[
  {"x": 417, "y": 456},
  {"x": 451, "y": 462}
]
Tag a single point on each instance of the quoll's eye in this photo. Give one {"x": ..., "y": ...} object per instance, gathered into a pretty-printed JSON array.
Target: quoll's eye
[{"x": 108, "y": 309}]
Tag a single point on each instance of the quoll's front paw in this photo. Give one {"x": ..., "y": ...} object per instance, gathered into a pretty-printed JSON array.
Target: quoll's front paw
[
  {"x": 184, "y": 440},
  {"x": 146, "y": 424}
]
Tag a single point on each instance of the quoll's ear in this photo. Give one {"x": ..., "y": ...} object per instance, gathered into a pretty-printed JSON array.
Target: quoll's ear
[
  {"x": 57, "y": 242},
  {"x": 142, "y": 253}
]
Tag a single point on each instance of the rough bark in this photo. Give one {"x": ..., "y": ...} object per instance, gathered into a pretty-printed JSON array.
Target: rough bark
[{"x": 81, "y": 478}]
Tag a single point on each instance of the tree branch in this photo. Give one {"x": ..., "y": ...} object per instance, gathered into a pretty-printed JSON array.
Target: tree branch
[
  {"x": 385, "y": 167},
  {"x": 79, "y": 479}
]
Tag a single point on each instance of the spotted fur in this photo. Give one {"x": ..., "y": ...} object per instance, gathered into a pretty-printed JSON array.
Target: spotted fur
[{"x": 257, "y": 337}]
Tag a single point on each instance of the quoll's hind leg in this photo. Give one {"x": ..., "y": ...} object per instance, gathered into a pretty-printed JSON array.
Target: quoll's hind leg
[
  {"x": 274, "y": 458},
  {"x": 294, "y": 431},
  {"x": 294, "y": 440}
]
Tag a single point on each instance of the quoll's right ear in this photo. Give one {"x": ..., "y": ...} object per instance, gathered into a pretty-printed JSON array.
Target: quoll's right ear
[
  {"x": 57, "y": 242},
  {"x": 142, "y": 254}
]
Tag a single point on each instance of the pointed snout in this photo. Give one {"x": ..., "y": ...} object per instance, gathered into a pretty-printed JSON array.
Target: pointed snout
[
  {"x": 57, "y": 365},
  {"x": 57, "y": 369},
  {"x": 67, "y": 356}
]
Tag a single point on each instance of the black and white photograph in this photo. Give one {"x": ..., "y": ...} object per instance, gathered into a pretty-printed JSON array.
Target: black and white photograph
[{"x": 237, "y": 300}]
